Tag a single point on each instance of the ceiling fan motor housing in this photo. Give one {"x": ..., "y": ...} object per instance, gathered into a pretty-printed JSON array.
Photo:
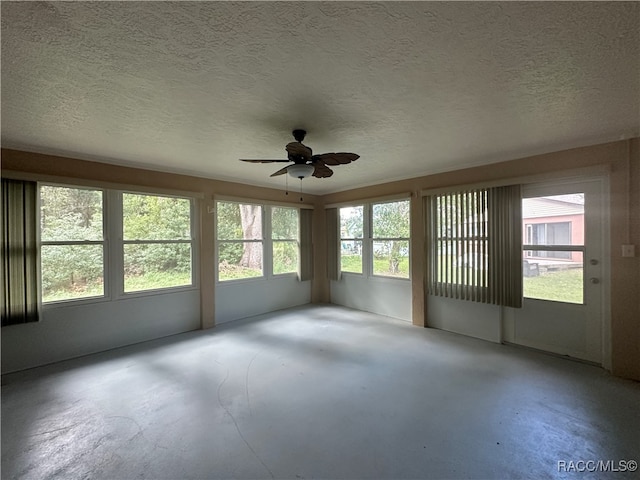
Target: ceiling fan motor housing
[{"x": 299, "y": 134}]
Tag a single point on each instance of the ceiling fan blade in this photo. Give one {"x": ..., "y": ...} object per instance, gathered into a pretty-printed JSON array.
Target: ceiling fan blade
[
  {"x": 321, "y": 170},
  {"x": 280, "y": 172},
  {"x": 340, "y": 158},
  {"x": 263, "y": 161},
  {"x": 297, "y": 149}
]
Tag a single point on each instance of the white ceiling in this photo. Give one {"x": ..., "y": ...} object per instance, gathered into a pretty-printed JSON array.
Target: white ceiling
[{"x": 414, "y": 88}]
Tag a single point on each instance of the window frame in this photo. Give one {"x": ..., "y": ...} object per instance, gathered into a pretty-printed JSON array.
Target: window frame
[
  {"x": 267, "y": 241},
  {"x": 113, "y": 250},
  {"x": 543, "y": 191},
  {"x": 121, "y": 292},
  {"x": 295, "y": 241},
  {"x": 361, "y": 240},
  {"x": 106, "y": 278},
  {"x": 367, "y": 240},
  {"x": 372, "y": 239}
]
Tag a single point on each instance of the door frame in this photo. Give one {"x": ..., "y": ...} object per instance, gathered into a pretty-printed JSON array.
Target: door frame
[{"x": 602, "y": 181}]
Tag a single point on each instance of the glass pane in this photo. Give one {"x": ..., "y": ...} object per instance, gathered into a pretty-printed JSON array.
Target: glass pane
[
  {"x": 553, "y": 220},
  {"x": 71, "y": 271},
  {"x": 391, "y": 220},
  {"x": 238, "y": 221},
  {"x": 391, "y": 258},
  {"x": 284, "y": 223},
  {"x": 557, "y": 279},
  {"x": 239, "y": 260},
  {"x": 160, "y": 265},
  {"x": 150, "y": 217},
  {"x": 285, "y": 257},
  {"x": 351, "y": 256},
  {"x": 70, "y": 214},
  {"x": 351, "y": 222}
]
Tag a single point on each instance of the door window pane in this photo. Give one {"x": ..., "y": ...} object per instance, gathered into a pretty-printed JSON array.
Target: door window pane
[
  {"x": 553, "y": 273},
  {"x": 560, "y": 281}
]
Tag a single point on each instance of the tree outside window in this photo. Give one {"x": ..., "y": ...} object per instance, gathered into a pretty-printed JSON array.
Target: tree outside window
[
  {"x": 71, "y": 243},
  {"x": 390, "y": 238},
  {"x": 157, "y": 242},
  {"x": 351, "y": 234},
  {"x": 285, "y": 234},
  {"x": 240, "y": 240}
]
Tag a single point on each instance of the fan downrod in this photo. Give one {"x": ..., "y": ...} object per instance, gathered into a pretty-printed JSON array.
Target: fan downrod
[{"x": 299, "y": 135}]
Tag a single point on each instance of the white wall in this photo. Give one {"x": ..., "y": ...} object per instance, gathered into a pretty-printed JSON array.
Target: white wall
[
  {"x": 246, "y": 298},
  {"x": 67, "y": 331},
  {"x": 384, "y": 296},
  {"x": 474, "y": 319}
]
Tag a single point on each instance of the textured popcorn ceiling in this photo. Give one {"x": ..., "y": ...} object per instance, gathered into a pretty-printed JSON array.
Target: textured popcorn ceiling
[{"x": 414, "y": 88}]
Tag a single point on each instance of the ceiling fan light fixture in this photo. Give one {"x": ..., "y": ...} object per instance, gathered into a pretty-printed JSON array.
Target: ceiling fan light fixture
[{"x": 300, "y": 170}]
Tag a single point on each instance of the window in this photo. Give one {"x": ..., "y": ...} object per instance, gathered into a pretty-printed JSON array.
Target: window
[
  {"x": 72, "y": 244},
  {"x": 284, "y": 234},
  {"x": 351, "y": 234},
  {"x": 374, "y": 239},
  {"x": 240, "y": 245},
  {"x": 390, "y": 239},
  {"x": 553, "y": 232},
  {"x": 157, "y": 242}
]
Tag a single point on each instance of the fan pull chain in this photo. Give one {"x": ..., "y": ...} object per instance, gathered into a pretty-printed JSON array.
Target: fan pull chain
[
  {"x": 286, "y": 184},
  {"x": 300, "y": 188}
]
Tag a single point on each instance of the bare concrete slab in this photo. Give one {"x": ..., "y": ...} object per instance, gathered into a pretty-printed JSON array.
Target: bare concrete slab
[{"x": 317, "y": 392}]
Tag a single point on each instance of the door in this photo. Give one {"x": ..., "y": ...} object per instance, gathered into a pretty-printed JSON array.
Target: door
[{"x": 564, "y": 284}]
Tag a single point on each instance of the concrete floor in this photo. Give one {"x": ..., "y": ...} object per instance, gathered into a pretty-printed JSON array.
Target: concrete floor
[{"x": 316, "y": 392}]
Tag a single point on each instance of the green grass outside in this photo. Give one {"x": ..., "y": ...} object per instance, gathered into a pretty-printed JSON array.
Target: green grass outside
[
  {"x": 150, "y": 281},
  {"x": 353, "y": 264},
  {"x": 236, "y": 272},
  {"x": 153, "y": 280},
  {"x": 561, "y": 286}
]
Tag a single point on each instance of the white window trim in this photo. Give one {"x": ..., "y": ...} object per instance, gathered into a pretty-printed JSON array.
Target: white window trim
[
  {"x": 267, "y": 242},
  {"x": 106, "y": 296},
  {"x": 368, "y": 239},
  {"x": 113, "y": 256},
  {"x": 194, "y": 226}
]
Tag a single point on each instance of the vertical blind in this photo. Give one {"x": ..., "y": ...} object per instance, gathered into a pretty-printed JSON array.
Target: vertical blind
[
  {"x": 474, "y": 238},
  {"x": 19, "y": 252}
]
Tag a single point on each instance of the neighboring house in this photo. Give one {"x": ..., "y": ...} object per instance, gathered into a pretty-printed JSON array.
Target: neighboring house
[{"x": 557, "y": 220}]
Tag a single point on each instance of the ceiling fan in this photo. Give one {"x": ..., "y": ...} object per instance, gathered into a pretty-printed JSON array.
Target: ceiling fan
[{"x": 305, "y": 163}]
